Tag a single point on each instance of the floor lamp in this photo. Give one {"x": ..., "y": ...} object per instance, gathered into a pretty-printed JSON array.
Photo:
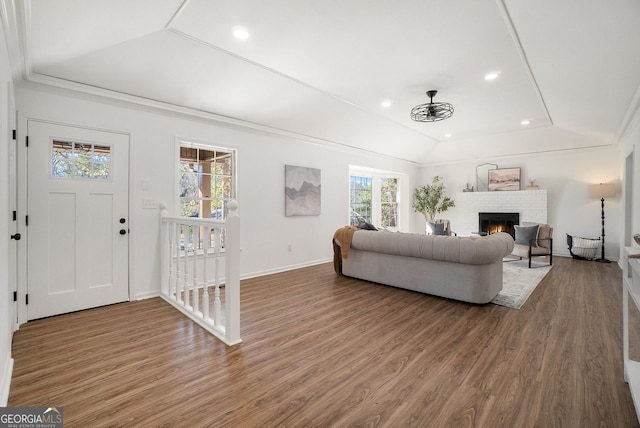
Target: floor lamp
[{"x": 602, "y": 190}]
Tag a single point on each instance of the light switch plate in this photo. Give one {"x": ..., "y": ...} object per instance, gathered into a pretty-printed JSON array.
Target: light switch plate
[{"x": 149, "y": 204}]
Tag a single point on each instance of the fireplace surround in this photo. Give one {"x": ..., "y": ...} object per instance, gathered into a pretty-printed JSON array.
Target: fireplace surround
[{"x": 531, "y": 204}]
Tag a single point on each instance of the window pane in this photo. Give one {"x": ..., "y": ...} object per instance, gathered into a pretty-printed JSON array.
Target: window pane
[
  {"x": 217, "y": 188},
  {"x": 83, "y": 160},
  {"x": 226, "y": 187},
  {"x": 360, "y": 203},
  {"x": 189, "y": 207},
  {"x": 188, "y": 182},
  {"x": 204, "y": 185},
  {"x": 224, "y": 163},
  {"x": 101, "y": 170},
  {"x": 62, "y": 159},
  {"x": 217, "y": 212},
  {"x": 205, "y": 155},
  {"x": 388, "y": 201}
]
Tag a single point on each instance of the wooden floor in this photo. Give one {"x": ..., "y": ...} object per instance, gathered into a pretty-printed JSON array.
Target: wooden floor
[{"x": 325, "y": 350}]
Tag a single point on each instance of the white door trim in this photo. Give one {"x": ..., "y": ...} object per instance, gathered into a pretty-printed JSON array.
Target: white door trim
[
  {"x": 21, "y": 153},
  {"x": 14, "y": 246}
]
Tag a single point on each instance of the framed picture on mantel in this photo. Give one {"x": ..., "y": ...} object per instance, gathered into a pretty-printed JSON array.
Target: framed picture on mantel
[{"x": 504, "y": 179}]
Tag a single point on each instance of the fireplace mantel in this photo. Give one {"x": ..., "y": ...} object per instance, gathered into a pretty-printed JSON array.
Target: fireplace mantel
[{"x": 530, "y": 204}]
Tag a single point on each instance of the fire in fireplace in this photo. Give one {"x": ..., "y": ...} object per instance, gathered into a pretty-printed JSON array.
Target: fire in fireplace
[{"x": 490, "y": 223}]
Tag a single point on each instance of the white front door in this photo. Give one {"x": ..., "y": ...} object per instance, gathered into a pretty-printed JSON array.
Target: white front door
[{"x": 77, "y": 218}]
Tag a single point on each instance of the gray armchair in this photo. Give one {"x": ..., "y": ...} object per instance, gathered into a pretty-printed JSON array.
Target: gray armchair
[{"x": 529, "y": 244}]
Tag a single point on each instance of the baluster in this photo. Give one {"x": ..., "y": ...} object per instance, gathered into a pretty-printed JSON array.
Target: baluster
[
  {"x": 179, "y": 274},
  {"x": 194, "y": 290},
  {"x": 172, "y": 268},
  {"x": 217, "y": 306},
  {"x": 205, "y": 281},
  {"x": 187, "y": 244}
]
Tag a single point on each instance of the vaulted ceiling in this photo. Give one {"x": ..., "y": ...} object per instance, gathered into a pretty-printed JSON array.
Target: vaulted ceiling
[{"x": 321, "y": 69}]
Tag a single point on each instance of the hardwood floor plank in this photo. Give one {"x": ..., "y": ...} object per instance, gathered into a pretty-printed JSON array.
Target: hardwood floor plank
[{"x": 325, "y": 350}]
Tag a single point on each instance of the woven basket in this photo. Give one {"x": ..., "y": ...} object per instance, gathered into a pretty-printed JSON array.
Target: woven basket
[{"x": 583, "y": 248}]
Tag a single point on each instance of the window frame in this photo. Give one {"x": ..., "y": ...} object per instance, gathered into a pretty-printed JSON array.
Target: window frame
[
  {"x": 376, "y": 194},
  {"x": 196, "y": 144}
]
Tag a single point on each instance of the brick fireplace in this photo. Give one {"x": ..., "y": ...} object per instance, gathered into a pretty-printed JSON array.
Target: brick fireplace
[{"x": 531, "y": 205}]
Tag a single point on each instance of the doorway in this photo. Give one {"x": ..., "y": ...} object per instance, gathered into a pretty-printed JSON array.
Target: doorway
[
  {"x": 628, "y": 200},
  {"x": 77, "y": 224}
]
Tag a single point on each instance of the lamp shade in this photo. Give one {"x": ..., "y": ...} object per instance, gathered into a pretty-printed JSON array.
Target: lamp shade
[{"x": 602, "y": 190}]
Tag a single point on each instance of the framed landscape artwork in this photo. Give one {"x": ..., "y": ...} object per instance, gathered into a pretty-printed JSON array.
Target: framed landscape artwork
[
  {"x": 504, "y": 179},
  {"x": 302, "y": 191}
]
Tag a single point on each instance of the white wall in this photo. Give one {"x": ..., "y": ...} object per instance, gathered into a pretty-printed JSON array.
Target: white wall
[
  {"x": 266, "y": 232},
  {"x": 6, "y": 363},
  {"x": 566, "y": 176}
]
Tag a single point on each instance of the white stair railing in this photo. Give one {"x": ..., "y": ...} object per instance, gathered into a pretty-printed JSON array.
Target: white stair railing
[{"x": 200, "y": 261}]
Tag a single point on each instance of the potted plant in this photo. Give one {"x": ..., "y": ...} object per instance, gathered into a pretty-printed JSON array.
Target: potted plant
[{"x": 430, "y": 200}]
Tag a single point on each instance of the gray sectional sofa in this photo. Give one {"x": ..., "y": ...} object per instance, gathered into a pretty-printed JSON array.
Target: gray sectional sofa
[{"x": 462, "y": 268}]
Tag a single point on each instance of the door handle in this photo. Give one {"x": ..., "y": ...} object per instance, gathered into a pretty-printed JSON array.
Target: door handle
[
  {"x": 123, "y": 232},
  {"x": 17, "y": 236}
]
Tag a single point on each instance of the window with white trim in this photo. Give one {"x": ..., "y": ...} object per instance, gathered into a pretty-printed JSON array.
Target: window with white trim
[
  {"x": 206, "y": 180},
  {"x": 374, "y": 197}
]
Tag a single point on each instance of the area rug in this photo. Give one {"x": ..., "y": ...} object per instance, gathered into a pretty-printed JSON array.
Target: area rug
[{"x": 519, "y": 282}]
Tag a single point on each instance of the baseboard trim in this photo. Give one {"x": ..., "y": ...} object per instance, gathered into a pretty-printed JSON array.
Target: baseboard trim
[
  {"x": 156, "y": 293},
  {"x": 5, "y": 381},
  {"x": 147, "y": 295},
  {"x": 284, "y": 268}
]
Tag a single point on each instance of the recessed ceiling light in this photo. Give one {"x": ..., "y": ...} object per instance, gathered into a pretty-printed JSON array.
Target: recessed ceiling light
[
  {"x": 386, "y": 103},
  {"x": 491, "y": 76},
  {"x": 240, "y": 33},
  {"x": 447, "y": 135},
  {"x": 525, "y": 122}
]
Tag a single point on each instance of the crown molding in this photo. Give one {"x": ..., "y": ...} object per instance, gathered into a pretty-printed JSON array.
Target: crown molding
[
  {"x": 35, "y": 79},
  {"x": 13, "y": 32}
]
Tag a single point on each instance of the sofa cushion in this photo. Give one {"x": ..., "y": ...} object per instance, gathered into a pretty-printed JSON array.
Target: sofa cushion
[
  {"x": 526, "y": 235},
  {"x": 523, "y": 251},
  {"x": 456, "y": 249}
]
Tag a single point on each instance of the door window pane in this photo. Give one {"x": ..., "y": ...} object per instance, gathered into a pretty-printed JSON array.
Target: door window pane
[
  {"x": 62, "y": 159},
  {"x": 70, "y": 159}
]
